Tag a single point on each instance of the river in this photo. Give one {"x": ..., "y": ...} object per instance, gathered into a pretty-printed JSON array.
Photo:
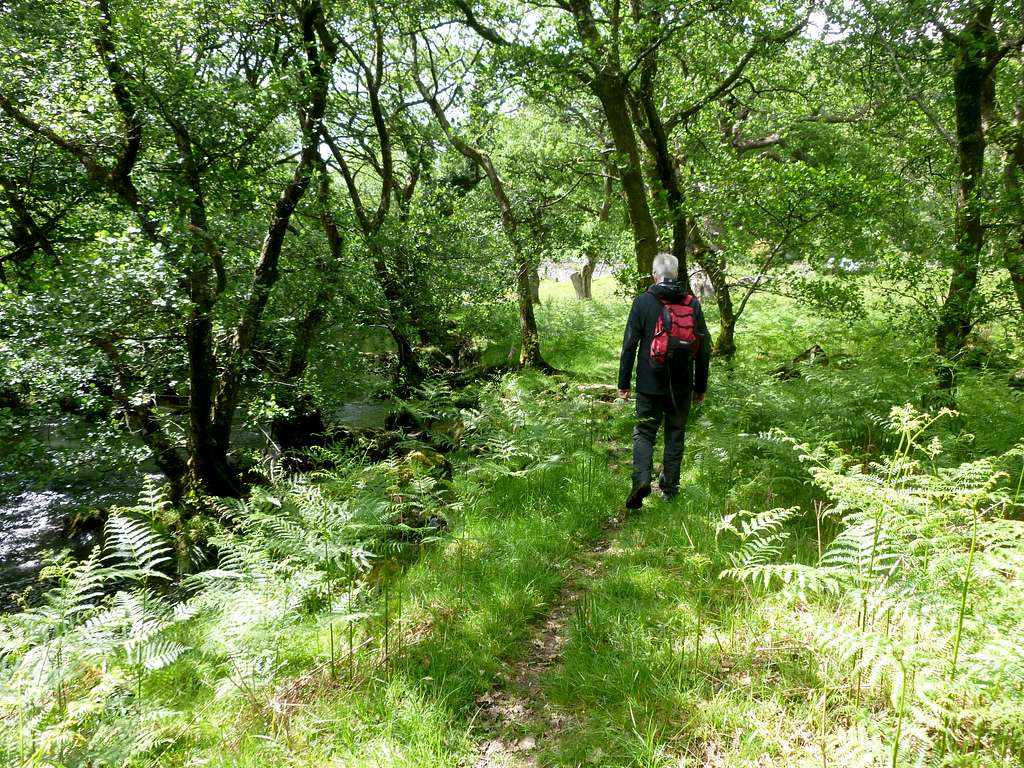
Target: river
[{"x": 34, "y": 514}]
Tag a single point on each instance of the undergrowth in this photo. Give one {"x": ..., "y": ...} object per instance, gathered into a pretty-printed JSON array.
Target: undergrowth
[
  {"x": 838, "y": 582},
  {"x": 913, "y": 595}
]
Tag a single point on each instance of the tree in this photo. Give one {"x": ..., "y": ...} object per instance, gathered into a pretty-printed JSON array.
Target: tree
[
  {"x": 379, "y": 99},
  {"x": 1010, "y": 136},
  {"x": 180, "y": 110},
  {"x": 530, "y": 353},
  {"x": 615, "y": 53},
  {"x": 656, "y": 133},
  {"x": 968, "y": 40}
]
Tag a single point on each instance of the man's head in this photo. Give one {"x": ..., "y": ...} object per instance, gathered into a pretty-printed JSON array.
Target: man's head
[{"x": 666, "y": 267}]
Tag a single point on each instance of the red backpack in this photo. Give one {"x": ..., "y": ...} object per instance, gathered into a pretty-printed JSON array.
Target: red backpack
[{"x": 675, "y": 336}]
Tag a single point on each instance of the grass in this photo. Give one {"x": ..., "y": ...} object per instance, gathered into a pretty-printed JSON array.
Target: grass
[
  {"x": 466, "y": 608},
  {"x": 665, "y": 662}
]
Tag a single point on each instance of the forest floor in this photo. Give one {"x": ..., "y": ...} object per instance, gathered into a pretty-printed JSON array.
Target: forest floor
[
  {"x": 729, "y": 626},
  {"x": 556, "y": 630}
]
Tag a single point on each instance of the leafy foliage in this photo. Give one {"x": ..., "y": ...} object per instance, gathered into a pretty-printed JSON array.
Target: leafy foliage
[{"x": 920, "y": 555}]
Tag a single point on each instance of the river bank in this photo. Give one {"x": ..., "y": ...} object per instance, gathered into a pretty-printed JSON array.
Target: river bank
[{"x": 58, "y": 495}]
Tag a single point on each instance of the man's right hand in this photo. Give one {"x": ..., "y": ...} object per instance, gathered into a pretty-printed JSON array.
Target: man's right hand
[{"x": 624, "y": 394}]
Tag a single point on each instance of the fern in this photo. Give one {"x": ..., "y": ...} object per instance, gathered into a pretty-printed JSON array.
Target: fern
[
  {"x": 137, "y": 545},
  {"x": 899, "y": 629},
  {"x": 153, "y": 495},
  {"x": 761, "y": 539}
]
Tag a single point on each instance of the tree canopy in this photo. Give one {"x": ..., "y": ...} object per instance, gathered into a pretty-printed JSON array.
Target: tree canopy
[{"x": 199, "y": 197}]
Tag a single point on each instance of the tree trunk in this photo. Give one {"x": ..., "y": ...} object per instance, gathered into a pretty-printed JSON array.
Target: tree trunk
[
  {"x": 725, "y": 344},
  {"x": 583, "y": 281},
  {"x": 214, "y": 385},
  {"x": 611, "y": 92},
  {"x": 307, "y": 328},
  {"x": 303, "y": 423},
  {"x": 714, "y": 265},
  {"x": 1013, "y": 254},
  {"x": 585, "y": 290},
  {"x": 684, "y": 230},
  {"x": 534, "y": 284},
  {"x": 530, "y": 355},
  {"x": 142, "y": 419},
  {"x": 971, "y": 84},
  {"x": 588, "y": 276},
  {"x": 409, "y": 373},
  {"x": 608, "y": 83},
  {"x": 409, "y": 368},
  {"x": 211, "y": 467},
  {"x": 578, "y": 285},
  {"x": 210, "y": 463},
  {"x": 207, "y": 457}
]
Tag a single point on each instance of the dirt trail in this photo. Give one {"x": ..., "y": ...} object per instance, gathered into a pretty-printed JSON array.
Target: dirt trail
[{"x": 516, "y": 709}]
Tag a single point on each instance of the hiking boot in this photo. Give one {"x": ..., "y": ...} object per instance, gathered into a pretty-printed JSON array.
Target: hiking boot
[
  {"x": 636, "y": 497},
  {"x": 666, "y": 493}
]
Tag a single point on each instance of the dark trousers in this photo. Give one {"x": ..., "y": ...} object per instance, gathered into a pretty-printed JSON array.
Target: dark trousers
[{"x": 651, "y": 411}]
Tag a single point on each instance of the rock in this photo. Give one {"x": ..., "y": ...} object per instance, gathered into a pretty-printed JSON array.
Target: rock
[
  {"x": 525, "y": 744},
  {"x": 791, "y": 370},
  {"x": 429, "y": 461},
  {"x": 443, "y": 432},
  {"x": 605, "y": 392},
  {"x": 1016, "y": 380},
  {"x": 299, "y": 425},
  {"x": 446, "y": 433},
  {"x": 578, "y": 285},
  {"x": 437, "y": 359},
  {"x": 436, "y": 522},
  {"x": 85, "y": 523},
  {"x": 426, "y": 458}
]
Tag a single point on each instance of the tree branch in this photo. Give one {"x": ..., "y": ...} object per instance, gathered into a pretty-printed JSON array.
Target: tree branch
[
  {"x": 118, "y": 79},
  {"x": 732, "y": 77},
  {"x": 919, "y": 100},
  {"x": 471, "y": 20},
  {"x": 96, "y": 170}
]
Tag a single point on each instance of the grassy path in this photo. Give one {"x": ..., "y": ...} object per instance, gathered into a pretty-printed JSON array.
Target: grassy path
[
  {"x": 639, "y": 640},
  {"x": 549, "y": 631},
  {"x": 517, "y": 718},
  {"x": 483, "y": 615}
]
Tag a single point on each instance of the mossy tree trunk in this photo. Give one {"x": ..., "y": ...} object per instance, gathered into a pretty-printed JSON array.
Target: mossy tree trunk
[
  {"x": 973, "y": 90},
  {"x": 1013, "y": 170}
]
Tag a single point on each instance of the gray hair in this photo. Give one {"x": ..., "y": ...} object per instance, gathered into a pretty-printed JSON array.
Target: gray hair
[{"x": 666, "y": 267}]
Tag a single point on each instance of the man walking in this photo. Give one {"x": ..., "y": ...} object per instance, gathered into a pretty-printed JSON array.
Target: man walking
[{"x": 663, "y": 392}]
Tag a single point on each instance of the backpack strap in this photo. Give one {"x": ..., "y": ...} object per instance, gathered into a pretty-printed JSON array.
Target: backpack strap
[
  {"x": 687, "y": 299},
  {"x": 666, "y": 317}
]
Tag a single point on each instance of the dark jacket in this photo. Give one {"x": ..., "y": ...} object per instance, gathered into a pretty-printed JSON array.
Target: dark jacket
[{"x": 643, "y": 317}]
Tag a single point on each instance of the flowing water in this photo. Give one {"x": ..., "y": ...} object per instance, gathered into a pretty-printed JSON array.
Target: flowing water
[
  {"x": 34, "y": 522},
  {"x": 34, "y": 517}
]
